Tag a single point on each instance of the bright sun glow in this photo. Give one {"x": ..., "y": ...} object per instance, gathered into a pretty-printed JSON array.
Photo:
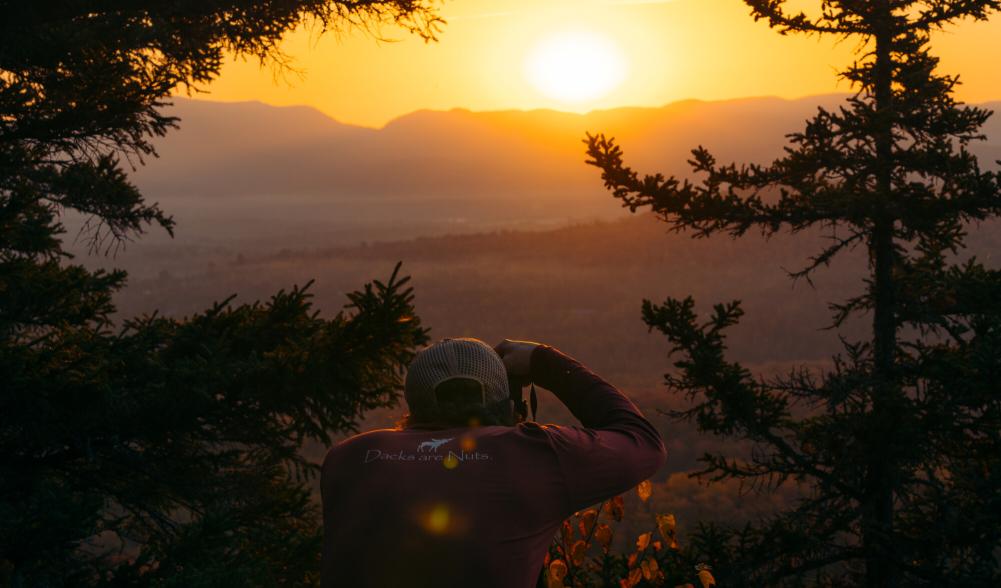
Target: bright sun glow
[{"x": 575, "y": 66}]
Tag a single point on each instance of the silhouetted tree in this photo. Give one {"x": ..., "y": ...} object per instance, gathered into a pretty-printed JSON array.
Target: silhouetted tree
[
  {"x": 161, "y": 451},
  {"x": 899, "y": 441}
]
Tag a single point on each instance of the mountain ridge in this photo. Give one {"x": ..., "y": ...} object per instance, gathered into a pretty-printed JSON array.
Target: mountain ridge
[
  {"x": 297, "y": 172},
  {"x": 505, "y": 111}
]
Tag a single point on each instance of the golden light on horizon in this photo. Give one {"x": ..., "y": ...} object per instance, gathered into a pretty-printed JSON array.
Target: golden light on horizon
[
  {"x": 513, "y": 54},
  {"x": 575, "y": 66}
]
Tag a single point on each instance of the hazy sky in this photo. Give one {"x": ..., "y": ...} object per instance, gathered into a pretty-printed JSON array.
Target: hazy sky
[{"x": 504, "y": 54}]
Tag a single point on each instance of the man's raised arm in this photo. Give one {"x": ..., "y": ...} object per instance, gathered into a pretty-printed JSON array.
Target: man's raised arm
[{"x": 616, "y": 448}]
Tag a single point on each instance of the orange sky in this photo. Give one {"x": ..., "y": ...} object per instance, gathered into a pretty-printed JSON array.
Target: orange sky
[{"x": 671, "y": 50}]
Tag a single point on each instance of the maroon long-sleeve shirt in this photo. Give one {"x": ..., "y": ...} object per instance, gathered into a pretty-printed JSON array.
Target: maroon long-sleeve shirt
[{"x": 479, "y": 506}]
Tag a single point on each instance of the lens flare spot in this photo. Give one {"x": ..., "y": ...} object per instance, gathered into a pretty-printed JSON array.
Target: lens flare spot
[
  {"x": 450, "y": 462},
  {"x": 439, "y": 518},
  {"x": 468, "y": 443}
]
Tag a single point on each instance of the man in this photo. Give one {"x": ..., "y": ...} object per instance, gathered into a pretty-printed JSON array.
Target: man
[{"x": 465, "y": 493}]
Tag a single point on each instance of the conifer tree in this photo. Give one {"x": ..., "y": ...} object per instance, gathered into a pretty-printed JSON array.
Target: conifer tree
[
  {"x": 159, "y": 451},
  {"x": 899, "y": 441}
]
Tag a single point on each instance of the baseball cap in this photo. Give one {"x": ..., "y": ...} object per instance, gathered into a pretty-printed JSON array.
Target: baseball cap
[{"x": 455, "y": 358}]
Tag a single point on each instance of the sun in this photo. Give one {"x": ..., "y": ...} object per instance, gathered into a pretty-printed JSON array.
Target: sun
[{"x": 575, "y": 67}]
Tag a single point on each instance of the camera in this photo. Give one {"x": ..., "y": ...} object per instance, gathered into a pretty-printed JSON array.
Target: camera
[{"x": 516, "y": 388}]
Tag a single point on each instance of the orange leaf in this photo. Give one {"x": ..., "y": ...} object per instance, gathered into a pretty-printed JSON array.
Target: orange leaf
[
  {"x": 577, "y": 552},
  {"x": 617, "y": 508},
  {"x": 557, "y": 570},
  {"x": 643, "y": 541},
  {"x": 635, "y": 575},
  {"x": 587, "y": 520},
  {"x": 632, "y": 560},
  {"x": 666, "y": 525},
  {"x": 654, "y": 567},
  {"x": 706, "y": 577},
  {"x": 567, "y": 530},
  {"x": 603, "y": 534},
  {"x": 644, "y": 490},
  {"x": 651, "y": 571}
]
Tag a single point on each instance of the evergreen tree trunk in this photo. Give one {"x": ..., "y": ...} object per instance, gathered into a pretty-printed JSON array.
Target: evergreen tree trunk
[{"x": 877, "y": 517}]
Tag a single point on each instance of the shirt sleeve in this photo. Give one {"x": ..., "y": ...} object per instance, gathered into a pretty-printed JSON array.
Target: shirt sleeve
[{"x": 614, "y": 449}]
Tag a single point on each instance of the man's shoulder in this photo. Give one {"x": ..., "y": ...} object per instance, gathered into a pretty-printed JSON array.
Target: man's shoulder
[
  {"x": 353, "y": 442},
  {"x": 368, "y": 436}
]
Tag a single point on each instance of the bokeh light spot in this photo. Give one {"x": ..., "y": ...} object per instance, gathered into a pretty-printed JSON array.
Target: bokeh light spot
[{"x": 438, "y": 518}]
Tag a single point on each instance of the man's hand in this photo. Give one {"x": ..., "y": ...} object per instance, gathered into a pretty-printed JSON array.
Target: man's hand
[{"x": 517, "y": 356}]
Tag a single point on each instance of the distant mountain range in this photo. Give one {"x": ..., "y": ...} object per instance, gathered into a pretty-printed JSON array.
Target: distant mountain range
[
  {"x": 260, "y": 176},
  {"x": 248, "y": 148}
]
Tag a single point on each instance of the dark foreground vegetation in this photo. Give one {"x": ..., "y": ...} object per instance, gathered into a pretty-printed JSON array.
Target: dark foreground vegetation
[{"x": 156, "y": 450}]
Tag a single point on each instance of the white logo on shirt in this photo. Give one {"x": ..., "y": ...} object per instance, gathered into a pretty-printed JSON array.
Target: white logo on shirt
[
  {"x": 433, "y": 444},
  {"x": 427, "y": 452}
]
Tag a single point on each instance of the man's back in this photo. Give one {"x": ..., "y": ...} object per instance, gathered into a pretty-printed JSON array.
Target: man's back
[{"x": 478, "y": 506}]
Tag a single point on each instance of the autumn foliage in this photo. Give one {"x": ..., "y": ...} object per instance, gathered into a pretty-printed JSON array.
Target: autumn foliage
[{"x": 586, "y": 553}]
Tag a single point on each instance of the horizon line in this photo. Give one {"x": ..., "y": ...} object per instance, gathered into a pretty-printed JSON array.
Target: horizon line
[{"x": 534, "y": 110}]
